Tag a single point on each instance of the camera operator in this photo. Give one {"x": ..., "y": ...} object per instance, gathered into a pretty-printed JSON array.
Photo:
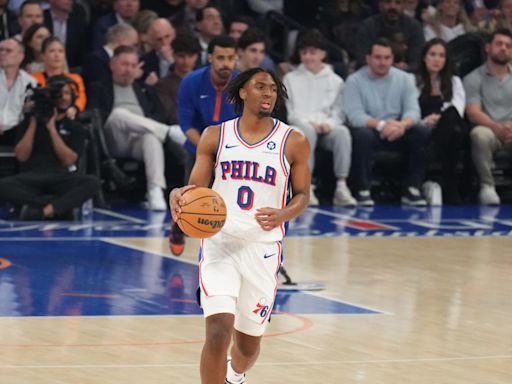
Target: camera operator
[{"x": 48, "y": 149}]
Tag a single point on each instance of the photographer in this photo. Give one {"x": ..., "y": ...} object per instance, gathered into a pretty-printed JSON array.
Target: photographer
[{"x": 48, "y": 148}]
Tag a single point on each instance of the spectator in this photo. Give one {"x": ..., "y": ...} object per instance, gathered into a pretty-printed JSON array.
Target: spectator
[
  {"x": 134, "y": 121},
  {"x": 251, "y": 51},
  {"x": 33, "y": 43},
  {"x": 158, "y": 61},
  {"x": 185, "y": 20},
  {"x": 208, "y": 25},
  {"x": 165, "y": 8},
  {"x": 8, "y": 25},
  {"x": 141, "y": 23},
  {"x": 186, "y": 53},
  {"x": 239, "y": 25},
  {"x": 202, "y": 97},
  {"x": 124, "y": 12},
  {"x": 97, "y": 63},
  {"x": 488, "y": 92},
  {"x": 449, "y": 21},
  {"x": 30, "y": 13},
  {"x": 383, "y": 112},
  {"x": 341, "y": 23},
  {"x": 314, "y": 106},
  {"x": 48, "y": 150},
  {"x": 442, "y": 100},
  {"x": 500, "y": 18},
  {"x": 13, "y": 89},
  {"x": 54, "y": 57},
  {"x": 202, "y": 101},
  {"x": 70, "y": 27},
  {"x": 404, "y": 33}
]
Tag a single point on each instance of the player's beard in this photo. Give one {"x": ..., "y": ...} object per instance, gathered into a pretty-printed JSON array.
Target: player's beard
[{"x": 264, "y": 113}]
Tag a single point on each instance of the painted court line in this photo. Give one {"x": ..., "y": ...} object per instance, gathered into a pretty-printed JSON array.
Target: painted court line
[
  {"x": 289, "y": 363},
  {"x": 120, "y": 216}
]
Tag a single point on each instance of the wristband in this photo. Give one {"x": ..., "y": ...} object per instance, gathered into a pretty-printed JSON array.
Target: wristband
[{"x": 380, "y": 126}]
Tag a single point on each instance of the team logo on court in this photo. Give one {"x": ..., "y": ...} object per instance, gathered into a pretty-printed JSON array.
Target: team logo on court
[{"x": 271, "y": 145}]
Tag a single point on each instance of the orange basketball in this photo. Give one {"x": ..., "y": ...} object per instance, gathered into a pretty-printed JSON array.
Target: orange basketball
[{"x": 203, "y": 214}]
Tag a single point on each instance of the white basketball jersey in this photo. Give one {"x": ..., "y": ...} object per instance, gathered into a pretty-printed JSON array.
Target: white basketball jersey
[{"x": 251, "y": 176}]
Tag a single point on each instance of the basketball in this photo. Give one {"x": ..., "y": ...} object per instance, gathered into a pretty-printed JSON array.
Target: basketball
[{"x": 203, "y": 214}]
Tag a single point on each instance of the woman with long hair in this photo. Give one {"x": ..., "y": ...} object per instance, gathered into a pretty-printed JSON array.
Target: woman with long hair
[
  {"x": 449, "y": 21},
  {"x": 442, "y": 100},
  {"x": 54, "y": 58},
  {"x": 33, "y": 42}
]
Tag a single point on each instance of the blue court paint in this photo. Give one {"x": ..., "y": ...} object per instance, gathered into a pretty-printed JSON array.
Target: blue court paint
[{"x": 93, "y": 277}]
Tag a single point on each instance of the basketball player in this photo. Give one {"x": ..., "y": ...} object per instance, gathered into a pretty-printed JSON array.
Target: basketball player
[{"x": 255, "y": 159}]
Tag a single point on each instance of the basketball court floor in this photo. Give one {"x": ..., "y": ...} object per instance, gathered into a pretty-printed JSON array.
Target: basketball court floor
[{"x": 412, "y": 295}]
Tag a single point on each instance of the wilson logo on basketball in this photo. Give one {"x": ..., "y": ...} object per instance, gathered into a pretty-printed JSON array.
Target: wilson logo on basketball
[{"x": 211, "y": 223}]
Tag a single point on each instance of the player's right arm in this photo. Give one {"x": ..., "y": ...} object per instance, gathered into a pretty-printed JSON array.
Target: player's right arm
[{"x": 203, "y": 168}]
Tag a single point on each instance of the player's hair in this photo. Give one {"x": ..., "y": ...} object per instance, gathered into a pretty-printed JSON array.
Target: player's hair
[{"x": 238, "y": 83}]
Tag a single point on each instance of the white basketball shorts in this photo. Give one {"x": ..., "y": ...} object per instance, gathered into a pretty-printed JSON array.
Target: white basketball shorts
[{"x": 245, "y": 271}]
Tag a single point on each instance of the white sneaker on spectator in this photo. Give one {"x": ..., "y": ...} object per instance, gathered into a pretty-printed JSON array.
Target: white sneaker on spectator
[
  {"x": 343, "y": 197},
  {"x": 176, "y": 134},
  {"x": 312, "y": 197},
  {"x": 488, "y": 195},
  {"x": 156, "y": 200},
  {"x": 433, "y": 193}
]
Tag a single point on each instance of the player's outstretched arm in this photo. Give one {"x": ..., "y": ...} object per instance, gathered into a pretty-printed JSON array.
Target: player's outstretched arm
[
  {"x": 297, "y": 153},
  {"x": 203, "y": 168}
]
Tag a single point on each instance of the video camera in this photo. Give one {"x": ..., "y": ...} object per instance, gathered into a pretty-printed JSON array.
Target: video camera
[{"x": 46, "y": 98}]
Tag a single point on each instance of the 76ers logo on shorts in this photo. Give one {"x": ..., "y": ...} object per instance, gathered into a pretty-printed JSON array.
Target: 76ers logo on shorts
[{"x": 261, "y": 309}]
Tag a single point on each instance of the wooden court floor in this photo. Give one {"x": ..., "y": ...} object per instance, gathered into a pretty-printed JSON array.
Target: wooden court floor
[{"x": 446, "y": 303}]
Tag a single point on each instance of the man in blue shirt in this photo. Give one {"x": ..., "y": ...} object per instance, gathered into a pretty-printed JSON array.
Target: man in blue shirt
[
  {"x": 381, "y": 106},
  {"x": 202, "y": 101}
]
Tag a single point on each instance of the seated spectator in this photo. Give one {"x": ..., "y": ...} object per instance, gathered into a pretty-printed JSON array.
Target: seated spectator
[
  {"x": 383, "y": 112},
  {"x": 341, "y": 23},
  {"x": 141, "y": 23},
  {"x": 251, "y": 51},
  {"x": 48, "y": 149},
  {"x": 404, "y": 33},
  {"x": 68, "y": 24},
  {"x": 124, "y": 12},
  {"x": 134, "y": 121},
  {"x": 488, "y": 94},
  {"x": 314, "y": 106},
  {"x": 13, "y": 89},
  {"x": 500, "y": 18},
  {"x": 159, "y": 59},
  {"x": 239, "y": 25},
  {"x": 54, "y": 57},
  {"x": 186, "y": 53},
  {"x": 33, "y": 43},
  {"x": 185, "y": 20},
  {"x": 442, "y": 100},
  {"x": 208, "y": 25},
  {"x": 30, "y": 13},
  {"x": 449, "y": 21},
  {"x": 8, "y": 24},
  {"x": 97, "y": 64}
]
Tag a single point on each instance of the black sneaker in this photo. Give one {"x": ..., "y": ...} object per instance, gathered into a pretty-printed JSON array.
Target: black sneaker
[
  {"x": 31, "y": 213},
  {"x": 413, "y": 198},
  {"x": 364, "y": 198},
  {"x": 176, "y": 240}
]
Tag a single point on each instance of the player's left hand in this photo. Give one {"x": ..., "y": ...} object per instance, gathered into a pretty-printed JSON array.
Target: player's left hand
[{"x": 269, "y": 218}]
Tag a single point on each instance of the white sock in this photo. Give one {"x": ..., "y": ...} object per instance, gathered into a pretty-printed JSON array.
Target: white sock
[
  {"x": 341, "y": 184},
  {"x": 233, "y": 376}
]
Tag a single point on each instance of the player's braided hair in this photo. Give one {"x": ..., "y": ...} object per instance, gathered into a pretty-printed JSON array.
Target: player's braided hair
[{"x": 238, "y": 83}]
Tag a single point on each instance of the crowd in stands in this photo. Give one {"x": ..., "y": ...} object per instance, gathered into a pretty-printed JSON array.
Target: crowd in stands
[{"x": 362, "y": 76}]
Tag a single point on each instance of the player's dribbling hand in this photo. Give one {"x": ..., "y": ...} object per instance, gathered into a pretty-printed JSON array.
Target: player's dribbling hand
[
  {"x": 268, "y": 218},
  {"x": 176, "y": 200}
]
